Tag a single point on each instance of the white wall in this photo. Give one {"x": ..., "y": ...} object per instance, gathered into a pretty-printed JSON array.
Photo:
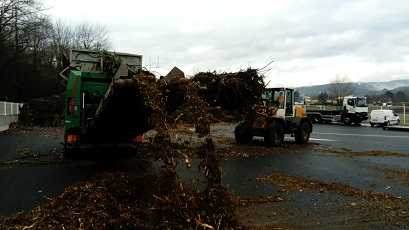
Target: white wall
[{"x": 9, "y": 112}]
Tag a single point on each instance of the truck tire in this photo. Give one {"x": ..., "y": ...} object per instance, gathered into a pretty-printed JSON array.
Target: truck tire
[
  {"x": 242, "y": 133},
  {"x": 348, "y": 120},
  {"x": 274, "y": 134},
  {"x": 327, "y": 121},
  {"x": 303, "y": 133},
  {"x": 317, "y": 119}
]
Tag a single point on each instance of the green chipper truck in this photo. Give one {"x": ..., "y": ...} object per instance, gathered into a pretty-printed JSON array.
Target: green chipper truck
[{"x": 101, "y": 101}]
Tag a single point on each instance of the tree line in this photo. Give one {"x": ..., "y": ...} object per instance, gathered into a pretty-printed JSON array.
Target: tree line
[{"x": 33, "y": 47}]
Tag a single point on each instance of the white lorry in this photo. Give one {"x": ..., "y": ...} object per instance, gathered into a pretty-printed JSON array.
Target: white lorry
[{"x": 353, "y": 110}]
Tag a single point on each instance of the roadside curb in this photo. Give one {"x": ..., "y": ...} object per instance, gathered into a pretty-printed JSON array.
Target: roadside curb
[{"x": 399, "y": 128}]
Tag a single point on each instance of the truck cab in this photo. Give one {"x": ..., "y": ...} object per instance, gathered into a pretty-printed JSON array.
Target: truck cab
[{"x": 355, "y": 110}]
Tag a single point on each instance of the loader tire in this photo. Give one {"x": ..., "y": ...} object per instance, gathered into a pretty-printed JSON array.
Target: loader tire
[
  {"x": 303, "y": 133},
  {"x": 274, "y": 135},
  {"x": 243, "y": 133}
]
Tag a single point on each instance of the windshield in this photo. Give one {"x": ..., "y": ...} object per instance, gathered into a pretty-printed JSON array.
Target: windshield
[{"x": 361, "y": 102}]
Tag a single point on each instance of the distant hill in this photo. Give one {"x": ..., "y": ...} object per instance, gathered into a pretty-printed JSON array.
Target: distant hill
[{"x": 361, "y": 88}]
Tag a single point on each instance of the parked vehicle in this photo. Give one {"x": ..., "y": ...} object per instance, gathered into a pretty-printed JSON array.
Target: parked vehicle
[
  {"x": 353, "y": 110},
  {"x": 384, "y": 117}
]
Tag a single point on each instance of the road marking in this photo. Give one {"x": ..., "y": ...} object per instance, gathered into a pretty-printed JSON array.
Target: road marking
[
  {"x": 360, "y": 135},
  {"x": 316, "y": 139}
]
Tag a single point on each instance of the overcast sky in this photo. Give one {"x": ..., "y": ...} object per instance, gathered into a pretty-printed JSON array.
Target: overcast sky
[{"x": 310, "y": 41}]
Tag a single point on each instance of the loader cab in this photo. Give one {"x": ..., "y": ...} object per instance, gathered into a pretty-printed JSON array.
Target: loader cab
[{"x": 280, "y": 98}]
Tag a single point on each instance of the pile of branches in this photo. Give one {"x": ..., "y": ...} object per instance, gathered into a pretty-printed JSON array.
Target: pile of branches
[
  {"x": 161, "y": 103},
  {"x": 232, "y": 91},
  {"x": 129, "y": 201}
]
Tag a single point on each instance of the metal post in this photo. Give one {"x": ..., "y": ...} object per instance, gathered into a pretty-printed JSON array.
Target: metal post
[
  {"x": 5, "y": 108},
  {"x": 404, "y": 114}
]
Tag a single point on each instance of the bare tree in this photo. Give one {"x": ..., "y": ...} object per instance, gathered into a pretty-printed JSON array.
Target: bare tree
[
  {"x": 62, "y": 42},
  {"x": 32, "y": 48},
  {"x": 91, "y": 36},
  {"x": 16, "y": 18},
  {"x": 20, "y": 20},
  {"x": 341, "y": 86}
]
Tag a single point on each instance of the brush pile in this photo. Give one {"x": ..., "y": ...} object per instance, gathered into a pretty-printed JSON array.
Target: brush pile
[
  {"x": 231, "y": 91},
  {"x": 126, "y": 201}
]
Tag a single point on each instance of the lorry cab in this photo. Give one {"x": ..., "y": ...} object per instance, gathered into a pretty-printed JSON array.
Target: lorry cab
[
  {"x": 385, "y": 117},
  {"x": 355, "y": 110}
]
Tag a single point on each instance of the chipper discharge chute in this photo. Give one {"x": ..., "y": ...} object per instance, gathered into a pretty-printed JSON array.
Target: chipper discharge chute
[{"x": 103, "y": 106}]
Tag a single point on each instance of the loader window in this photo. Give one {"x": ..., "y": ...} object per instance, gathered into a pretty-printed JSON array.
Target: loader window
[
  {"x": 266, "y": 97},
  {"x": 289, "y": 103},
  {"x": 279, "y": 99}
]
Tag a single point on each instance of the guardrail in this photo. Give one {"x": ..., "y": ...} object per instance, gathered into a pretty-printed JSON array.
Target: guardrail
[{"x": 9, "y": 112}]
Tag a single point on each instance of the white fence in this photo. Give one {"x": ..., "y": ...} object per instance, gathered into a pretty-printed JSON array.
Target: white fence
[{"x": 9, "y": 112}]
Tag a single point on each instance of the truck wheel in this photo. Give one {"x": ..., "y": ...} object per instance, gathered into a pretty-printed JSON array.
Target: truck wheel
[
  {"x": 357, "y": 122},
  {"x": 348, "y": 120},
  {"x": 372, "y": 124},
  {"x": 242, "y": 133},
  {"x": 327, "y": 121},
  {"x": 274, "y": 134},
  {"x": 317, "y": 119},
  {"x": 303, "y": 133}
]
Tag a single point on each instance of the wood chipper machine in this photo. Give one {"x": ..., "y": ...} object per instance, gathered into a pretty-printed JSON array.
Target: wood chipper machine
[{"x": 101, "y": 107}]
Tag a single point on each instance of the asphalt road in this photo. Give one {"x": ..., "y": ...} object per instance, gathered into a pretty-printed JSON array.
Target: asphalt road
[
  {"x": 360, "y": 171},
  {"x": 25, "y": 186},
  {"x": 361, "y": 138}
]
